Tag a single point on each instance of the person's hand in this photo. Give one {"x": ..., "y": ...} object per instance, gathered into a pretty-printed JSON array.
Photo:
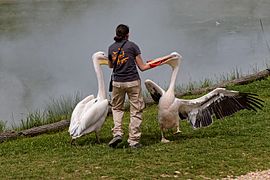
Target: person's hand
[
  {"x": 158, "y": 61},
  {"x": 153, "y": 63}
]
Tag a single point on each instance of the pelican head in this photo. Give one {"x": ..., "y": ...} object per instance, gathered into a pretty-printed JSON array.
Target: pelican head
[
  {"x": 174, "y": 60},
  {"x": 100, "y": 58}
]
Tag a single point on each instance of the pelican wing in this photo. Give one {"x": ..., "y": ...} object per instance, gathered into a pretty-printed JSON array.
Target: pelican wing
[
  {"x": 155, "y": 91},
  {"x": 219, "y": 102},
  {"x": 92, "y": 117},
  {"x": 77, "y": 111}
]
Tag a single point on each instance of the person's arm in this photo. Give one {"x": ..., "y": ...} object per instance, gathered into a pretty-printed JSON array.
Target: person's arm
[
  {"x": 151, "y": 63},
  {"x": 142, "y": 66}
]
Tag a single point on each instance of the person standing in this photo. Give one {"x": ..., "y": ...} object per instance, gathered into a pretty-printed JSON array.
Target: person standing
[{"x": 124, "y": 58}]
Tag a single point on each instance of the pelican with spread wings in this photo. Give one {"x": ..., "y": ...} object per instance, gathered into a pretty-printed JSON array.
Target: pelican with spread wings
[{"x": 199, "y": 112}]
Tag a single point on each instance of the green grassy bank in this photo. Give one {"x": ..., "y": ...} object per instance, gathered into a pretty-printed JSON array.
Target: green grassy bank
[{"x": 233, "y": 146}]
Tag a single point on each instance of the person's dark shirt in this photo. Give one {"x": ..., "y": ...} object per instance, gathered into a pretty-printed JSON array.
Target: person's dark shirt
[{"x": 125, "y": 68}]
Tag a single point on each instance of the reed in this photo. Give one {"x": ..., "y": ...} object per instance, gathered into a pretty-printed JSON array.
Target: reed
[
  {"x": 2, "y": 126},
  {"x": 55, "y": 110},
  {"x": 207, "y": 82}
]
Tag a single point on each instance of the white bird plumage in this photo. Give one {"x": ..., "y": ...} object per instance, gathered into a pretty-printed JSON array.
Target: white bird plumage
[
  {"x": 219, "y": 102},
  {"x": 90, "y": 113}
]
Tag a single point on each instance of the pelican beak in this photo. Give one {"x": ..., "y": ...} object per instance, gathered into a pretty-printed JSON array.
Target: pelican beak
[
  {"x": 103, "y": 61},
  {"x": 173, "y": 59},
  {"x": 169, "y": 59}
]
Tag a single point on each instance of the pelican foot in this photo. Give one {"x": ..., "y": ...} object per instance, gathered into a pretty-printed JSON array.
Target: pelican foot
[
  {"x": 97, "y": 138},
  {"x": 163, "y": 140},
  {"x": 73, "y": 142},
  {"x": 177, "y": 132}
]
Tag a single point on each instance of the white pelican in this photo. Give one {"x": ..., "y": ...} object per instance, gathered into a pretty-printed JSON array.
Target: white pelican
[
  {"x": 219, "y": 102},
  {"x": 90, "y": 113}
]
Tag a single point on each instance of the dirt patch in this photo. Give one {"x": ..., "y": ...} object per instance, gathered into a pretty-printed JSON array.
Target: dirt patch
[{"x": 259, "y": 175}]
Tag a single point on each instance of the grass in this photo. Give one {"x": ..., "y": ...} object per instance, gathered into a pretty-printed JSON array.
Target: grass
[
  {"x": 55, "y": 110},
  {"x": 2, "y": 126},
  {"x": 207, "y": 82},
  {"x": 233, "y": 146}
]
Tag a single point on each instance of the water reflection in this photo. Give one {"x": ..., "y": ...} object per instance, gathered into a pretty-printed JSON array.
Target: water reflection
[{"x": 45, "y": 46}]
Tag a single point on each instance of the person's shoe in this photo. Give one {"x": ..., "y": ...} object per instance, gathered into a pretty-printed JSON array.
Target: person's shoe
[
  {"x": 136, "y": 146},
  {"x": 116, "y": 140}
]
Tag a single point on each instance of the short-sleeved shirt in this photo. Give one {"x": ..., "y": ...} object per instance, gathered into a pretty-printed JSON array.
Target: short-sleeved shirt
[{"x": 125, "y": 66}]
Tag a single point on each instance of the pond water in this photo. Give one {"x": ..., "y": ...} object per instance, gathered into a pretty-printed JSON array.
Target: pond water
[{"x": 46, "y": 46}]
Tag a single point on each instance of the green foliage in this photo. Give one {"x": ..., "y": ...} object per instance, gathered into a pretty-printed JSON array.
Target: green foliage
[
  {"x": 234, "y": 146},
  {"x": 61, "y": 108},
  {"x": 234, "y": 74},
  {"x": 204, "y": 83},
  {"x": 2, "y": 126},
  {"x": 55, "y": 110},
  {"x": 32, "y": 120}
]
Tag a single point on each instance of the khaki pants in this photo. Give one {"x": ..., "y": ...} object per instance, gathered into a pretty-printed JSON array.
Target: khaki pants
[{"x": 134, "y": 92}]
